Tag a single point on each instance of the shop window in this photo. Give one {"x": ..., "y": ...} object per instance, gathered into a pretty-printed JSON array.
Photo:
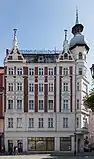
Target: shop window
[{"x": 65, "y": 144}]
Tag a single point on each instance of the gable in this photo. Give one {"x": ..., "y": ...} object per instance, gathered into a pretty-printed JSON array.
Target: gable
[
  {"x": 65, "y": 57},
  {"x": 14, "y": 55}
]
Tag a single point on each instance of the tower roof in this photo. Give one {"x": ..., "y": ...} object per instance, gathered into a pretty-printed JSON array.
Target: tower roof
[{"x": 78, "y": 39}]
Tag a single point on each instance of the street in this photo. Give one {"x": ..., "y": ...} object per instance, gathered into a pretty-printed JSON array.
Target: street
[{"x": 47, "y": 156}]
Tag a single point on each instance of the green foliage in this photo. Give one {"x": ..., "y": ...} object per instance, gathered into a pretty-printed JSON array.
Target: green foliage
[{"x": 89, "y": 99}]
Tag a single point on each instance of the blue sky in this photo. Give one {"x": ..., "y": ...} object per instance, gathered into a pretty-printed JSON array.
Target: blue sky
[{"x": 41, "y": 23}]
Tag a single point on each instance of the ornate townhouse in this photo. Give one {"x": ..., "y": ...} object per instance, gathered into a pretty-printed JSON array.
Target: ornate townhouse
[
  {"x": 1, "y": 107},
  {"x": 44, "y": 93}
]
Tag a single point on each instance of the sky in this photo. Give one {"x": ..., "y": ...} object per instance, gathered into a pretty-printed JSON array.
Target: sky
[{"x": 40, "y": 24}]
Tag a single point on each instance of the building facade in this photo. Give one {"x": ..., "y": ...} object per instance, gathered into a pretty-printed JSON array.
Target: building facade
[
  {"x": 44, "y": 93},
  {"x": 1, "y": 107}
]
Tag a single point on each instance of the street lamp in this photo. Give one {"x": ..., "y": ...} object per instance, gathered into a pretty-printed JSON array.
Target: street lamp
[{"x": 92, "y": 71}]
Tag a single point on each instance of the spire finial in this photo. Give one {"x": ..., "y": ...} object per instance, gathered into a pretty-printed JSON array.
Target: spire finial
[
  {"x": 77, "y": 19},
  {"x": 65, "y": 43},
  {"x": 65, "y": 34},
  {"x": 15, "y": 39}
]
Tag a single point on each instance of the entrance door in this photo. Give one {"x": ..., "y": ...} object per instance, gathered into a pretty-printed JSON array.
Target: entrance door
[
  {"x": 78, "y": 145},
  {"x": 20, "y": 145},
  {"x": 10, "y": 146}
]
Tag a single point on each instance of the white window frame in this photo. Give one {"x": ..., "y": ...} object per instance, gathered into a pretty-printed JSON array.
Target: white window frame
[
  {"x": 50, "y": 122},
  {"x": 10, "y": 122},
  {"x": 10, "y": 71},
  {"x": 40, "y": 71},
  {"x": 10, "y": 104},
  {"x": 41, "y": 105},
  {"x": 65, "y": 104},
  {"x": 31, "y": 87},
  {"x": 31, "y": 104},
  {"x": 65, "y": 122},
  {"x": 80, "y": 71},
  {"x": 19, "y": 86},
  {"x": 31, "y": 123},
  {"x": 19, "y": 104},
  {"x": 51, "y": 71},
  {"x": 50, "y": 104},
  {"x": 41, "y": 85},
  {"x": 80, "y": 56},
  {"x": 41, "y": 122},
  {"x": 65, "y": 71},
  {"x": 31, "y": 71},
  {"x": 19, "y": 71},
  {"x": 77, "y": 122},
  {"x": 10, "y": 87},
  {"x": 19, "y": 122},
  {"x": 78, "y": 86},
  {"x": 77, "y": 103},
  {"x": 51, "y": 87},
  {"x": 65, "y": 86}
]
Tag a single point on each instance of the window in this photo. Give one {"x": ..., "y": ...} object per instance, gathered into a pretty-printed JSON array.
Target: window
[
  {"x": 50, "y": 122},
  {"x": 65, "y": 56},
  {"x": 50, "y": 71},
  {"x": 65, "y": 71},
  {"x": 77, "y": 122},
  {"x": 19, "y": 71},
  {"x": 85, "y": 122},
  {"x": 65, "y": 122},
  {"x": 31, "y": 71},
  {"x": 65, "y": 104},
  {"x": 51, "y": 87},
  {"x": 40, "y": 87},
  {"x": 10, "y": 71},
  {"x": 10, "y": 104},
  {"x": 40, "y": 104},
  {"x": 80, "y": 56},
  {"x": 19, "y": 86},
  {"x": 31, "y": 87},
  {"x": 31, "y": 104},
  {"x": 50, "y": 104},
  {"x": 77, "y": 103},
  {"x": 31, "y": 122},
  {"x": 65, "y": 86},
  {"x": 19, "y": 122},
  {"x": 10, "y": 122},
  {"x": 41, "y": 123},
  {"x": 80, "y": 71},
  {"x": 78, "y": 86},
  {"x": 10, "y": 86},
  {"x": 40, "y": 71},
  {"x": 19, "y": 104}
]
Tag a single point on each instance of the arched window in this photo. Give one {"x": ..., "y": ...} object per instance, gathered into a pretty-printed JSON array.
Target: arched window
[
  {"x": 80, "y": 55},
  {"x": 65, "y": 56}
]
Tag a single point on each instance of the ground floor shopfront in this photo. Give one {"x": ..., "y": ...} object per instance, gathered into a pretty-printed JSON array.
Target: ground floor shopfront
[{"x": 40, "y": 141}]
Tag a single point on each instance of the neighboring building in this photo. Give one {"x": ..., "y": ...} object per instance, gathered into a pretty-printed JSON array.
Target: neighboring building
[
  {"x": 1, "y": 107},
  {"x": 91, "y": 127},
  {"x": 40, "y": 96}
]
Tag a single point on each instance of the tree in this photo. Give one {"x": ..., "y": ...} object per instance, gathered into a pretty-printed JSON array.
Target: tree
[{"x": 89, "y": 99}]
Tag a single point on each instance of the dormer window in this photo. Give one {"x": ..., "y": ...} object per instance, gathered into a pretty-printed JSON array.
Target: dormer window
[
  {"x": 65, "y": 56},
  {"x": 80, "y": 55}
]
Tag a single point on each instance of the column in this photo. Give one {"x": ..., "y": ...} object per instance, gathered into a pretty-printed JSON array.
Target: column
[
  {"x": 57, "y": 144},
  {"x": 72, "y": 143},
  {"x": 24, "y": 144}
]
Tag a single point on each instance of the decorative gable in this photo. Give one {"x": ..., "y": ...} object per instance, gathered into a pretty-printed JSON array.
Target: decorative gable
[
  {"x": 66, "y": 54},
  {"x": 14, "y": 55}
]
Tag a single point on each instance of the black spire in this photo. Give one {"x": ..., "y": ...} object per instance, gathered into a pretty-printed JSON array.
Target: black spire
[{"x": 77, "y": 28}]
